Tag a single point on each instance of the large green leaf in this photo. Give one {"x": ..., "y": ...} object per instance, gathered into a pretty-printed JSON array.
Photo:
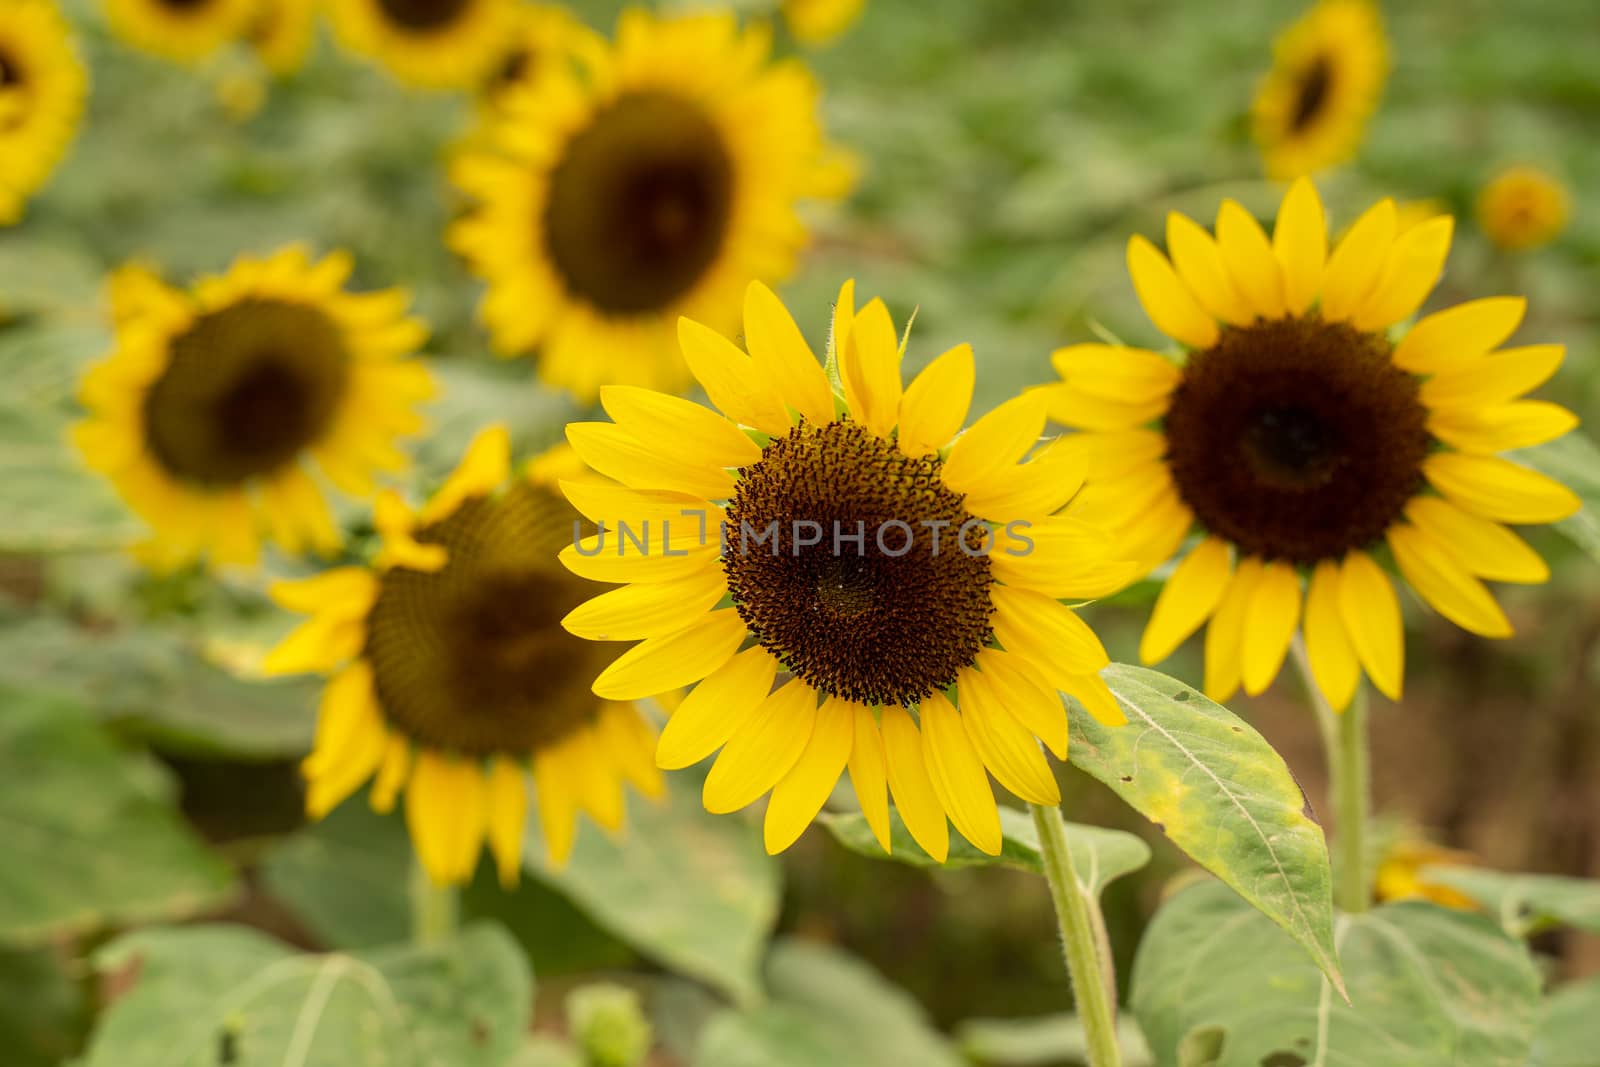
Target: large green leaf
[
  {"x": 1573, "y": 460},
  {"x": 1567, "y": 1028},
  {"x": 827, "y": 1009},
  {"x": 90, "y": 834},
  {"x": 210, "y": 995},
  {"x": 1221, "y": 793},
  {"x": 1099, "y": 855},
  {"x": 1429, "y": 987},
  {"x": 42, "y": 1010},
  {"x": 1045, "y": 1041},
  {"x": 694, "y": 891},
  {"x": 1526, "y": 903}
]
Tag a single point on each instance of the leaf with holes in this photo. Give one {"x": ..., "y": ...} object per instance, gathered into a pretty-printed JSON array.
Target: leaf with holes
[
  {"x": 1574, "y": 461},
  {"x": 207, "y": 995},
  {"x": 1101, "y": 856},
  {"x": 1219, "y": 792},
  {"x": 1429, "y": 987},
  {"x": 1526, "y": 903}
]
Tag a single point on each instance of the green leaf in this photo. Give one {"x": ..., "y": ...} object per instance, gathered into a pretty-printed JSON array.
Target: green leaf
[
  {"x": 42, "y": 1013},
  {"x": 827, "y": 1009},
  {"x": 542, "y": 1051},
  {"x": 1221, "y": 793},
  {"x": 1101, "y": 856},
  {"x": 91, "y": 836},
  {"x": 1566, "y": 1035},
  {"x": 1429, "y": 987},
  {"x": 1574, "y": 461},
  {"x": 207, "y": 995},
  {"x": 1045, "y": 1041},
  {"x": 694, "y": 891},
  {"x": 1526, "y": 903}
]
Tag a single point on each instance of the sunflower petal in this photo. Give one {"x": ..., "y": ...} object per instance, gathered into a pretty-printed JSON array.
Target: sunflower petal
[
  {"x": 1498, "y": 489},
  {"x": 870, "y": 369},
  {"x": 645, "y": 610},
  {"x": 1269, "y": 624},
  {"x": 1198, "y": 261},
  {"x": 1046, "y": 633},
  {"x": 1414, "y": 267},
  {"x": 730, "y": 379},
  {"x": 1454, "y": 593},
  {"x": 1022, "y": 692},
  {"x": 1187, "y": 599},
  {"x": 1480, "y": 546},
  {"x": 957, "y": 775},
  {"x": 1502, "y": 427},
  {"x": 800, "y": 794},
  {"x": 936, "y": 403},
  {"x": 1494, "y": 379},
  {"x": 695, "y": 434},
  {"x": 995, "y": 442},
  {"x": 780, "y": 354},
  {"x": 716, "y": 709},
  {"x": 1358, "y": 261},
  {"x": 910, "y": 785},
  {"x": 508, "y": 810},
  {"x": 869, "y": 775},
  {"x": 658, "y": 664},
  {"x": 1168, "y": 302},
  {"x": 1300, "y": 241},
  {"x": 1333, "y": 658},
  {"x": 1250, "y": 259},
  {"x": 1371, "y": 613},
  {"x": 763, "y": 750},
  {"x": 1225, "y": 635},
  {"x": 1005, "y": 747},
  {"x": 1456, "y": 336}
]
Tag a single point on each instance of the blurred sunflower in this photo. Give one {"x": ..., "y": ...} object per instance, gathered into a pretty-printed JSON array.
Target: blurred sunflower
[
  {"x": 816, "y": 22},
  {"x": 1299, "y": 439},
  {"x": 282, "y": 33},
  {"x": 1523, "y": 207},
  {"x": 451, "y": 674},
  {"x": 970, "y": 633},
  {"x": 1327, "y": 74},
  {"x": 657, "y": 187},
  {"x": 215, "y": 401},
  {"x": 180, "y": 30},
  {"x": 544, "y": 38},
  {"x": 437, "y": 44},
  {"x": 1403, "y": 874},
  {"x": 42, "y": 87}
]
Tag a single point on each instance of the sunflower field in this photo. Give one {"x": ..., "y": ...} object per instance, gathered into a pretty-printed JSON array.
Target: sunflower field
[{"x": 799, "y": 533}]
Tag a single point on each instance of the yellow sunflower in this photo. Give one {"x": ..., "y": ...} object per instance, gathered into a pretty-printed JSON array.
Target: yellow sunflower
[
  {"x": 1300, "y": 441},
  {"x": 437, "y": 44},
  {"x": 870, "y": 561},
  {"x": 542, "y": 40},
  {"x": 1327, "y": 74},
  {"x": 207, "y": 415},
  {"x": 180, "y": 30},
  {"x": 657, "y": 186},
  {"x": 282, "y": 33},
  {"x": 816, "y": 22},
  {"x": 42, "y": 87},
  {"x": 451, "y": 675},
  {"x": 1523, "y": 207},
  {"x": 1403, "y": 874}
]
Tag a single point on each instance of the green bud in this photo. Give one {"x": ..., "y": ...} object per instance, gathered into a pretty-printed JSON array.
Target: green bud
[{"x": 609, "y": 1025}]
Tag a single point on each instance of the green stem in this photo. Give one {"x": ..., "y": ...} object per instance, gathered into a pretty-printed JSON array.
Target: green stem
[
  {"x": 435, "y": 909},
  {"x": 1077, "y": 913},
  {"x": 1344, "y": 740}
]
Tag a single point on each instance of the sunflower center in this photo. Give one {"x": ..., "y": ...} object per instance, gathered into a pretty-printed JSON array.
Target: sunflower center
[
  {"x": 1296, "y": 438},
  {"x": 473, "y": 658},
  {"x": 185, "y": 6},
  {"x": 247, "y": 388},
  {"x": 10, "y": 73},
  {"x": 516, "y": 66},
  {"x": 856, "y": 566},
  {"x": 421, "y": 14},
  {"x": 639, "y": 204},
  {"x": 1315, "y": 84}
]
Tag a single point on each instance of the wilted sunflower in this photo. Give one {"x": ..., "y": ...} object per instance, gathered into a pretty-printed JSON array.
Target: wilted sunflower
[
  {"x": 282, "y": 33},
  {"x": 943, "y": 596},
  {"x": 542, "y": 40},
  {"x": 180, "y": 30},
  {"x": 1523, "y": 207},
  {"x": 452, "y": 676},
  {"x": 42, "y": 86},
  {"x": 1327, "y": 74},
  {"x": 817, "y": 22},
  {"x": 657, "y": 186},
  {"x": 1300, "y": 440},
  {"x": 438, "y": 44},
  {"x": 215, "y": 402}
]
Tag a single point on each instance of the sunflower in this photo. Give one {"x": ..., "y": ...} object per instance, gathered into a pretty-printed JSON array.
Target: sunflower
[
  {"x": 1300, "y": 440},
  {"x": 657, "y": 186},
  {"x": 816, "y": 22},
  {"x": 180, "y": 30},
  {"x": 1327, "y": 74},
  {"x": 208, "y": 411},
  {"x": 42, "y": 86},
  {"x": 438, "y": 44},
  {"x": 543, "y": 38},
  {"x": 1523, "y": 207},
  {"x": 451, "y": 675},
  {"x": 876, "y": 561},
  {"x": 282, "y": 33},
  {"x": 1403, "y": 874}
]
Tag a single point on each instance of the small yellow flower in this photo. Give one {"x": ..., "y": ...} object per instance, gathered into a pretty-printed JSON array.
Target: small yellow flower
[
  {"x": 42, "y": 89},
  {"x": 217, "y": 400},
  {"x": 1523, "y": 207},
  {"x": 184, "y": 31},
  {"x": 817, "y": 22},
  {"x": 654, "y": 186},
  {"x": 1327, "y": 75},
  {"x": 1401, "y": 874},
  {"x": 436, "y": 44},
  {"x": 914, "y": 571},
  {"x": 451, "y": 676},
  {"x": 1300, "y": 442}
]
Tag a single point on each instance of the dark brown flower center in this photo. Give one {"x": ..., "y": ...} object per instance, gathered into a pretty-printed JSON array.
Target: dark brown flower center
[
  {"x": 1297, "y": 439},
  {"x": 246, "y": 390},
  {"x": 848, "y": 561},
  {"x": 424, "y": 15},
  {"x": 185, "y": 7},
  {"x": 639, "y": 204},
  {"x": 1316, "y": 83},
  {"x": 10, "y": 72},
  {"x": 473, "y": 658}
]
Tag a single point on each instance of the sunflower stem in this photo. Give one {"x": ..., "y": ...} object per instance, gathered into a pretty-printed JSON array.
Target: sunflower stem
[
  {"x": 1088, "y": 963},
  {"x": 1344, "y": 740},
  {"x": 435, "y": 909}
]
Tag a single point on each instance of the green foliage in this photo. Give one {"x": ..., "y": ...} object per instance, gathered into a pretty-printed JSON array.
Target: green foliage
[
  {"x": 1045, "y": 1041},
  {"x": 1221, "y": 793},
  {"x": 41, "y": 1009},
  {"x": 1567, "y": 1028},
  {"x": 1526, "y": 903},
  {"x": 1429, "y": 987},
  {"x": 209, "y": 995},
  {"x": 1574, "y": 460}
]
